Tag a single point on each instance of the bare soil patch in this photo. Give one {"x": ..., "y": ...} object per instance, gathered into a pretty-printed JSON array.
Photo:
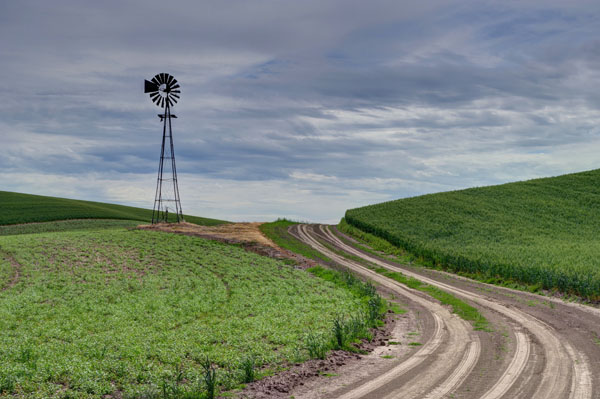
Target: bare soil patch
[{"x": 248, "y": 235}]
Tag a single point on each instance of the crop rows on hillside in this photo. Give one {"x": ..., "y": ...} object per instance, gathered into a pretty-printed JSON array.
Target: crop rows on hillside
[
  {"x": 113, "y": 310},
  {"x": 543, "y": 232},
  {"x": 26, "y": 208}
]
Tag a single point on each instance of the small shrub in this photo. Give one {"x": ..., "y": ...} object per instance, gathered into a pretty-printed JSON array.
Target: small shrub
[
  {"x": 339, "y": 332},
  {"x": 357, "y": 326},
  {"x": 375, "y": 308},
  {"x": 247, "y": 365},
  {"x": 7, "y": 384},
  {"x": 316, "y": 346},
  {"x": 210, "y": 378}
]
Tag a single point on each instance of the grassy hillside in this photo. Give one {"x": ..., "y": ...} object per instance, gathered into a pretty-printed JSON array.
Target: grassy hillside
[
  {"x": 26, "y": 208},
  {"x": 542, "y": 232},
  {"x": 130, "y": 314}
]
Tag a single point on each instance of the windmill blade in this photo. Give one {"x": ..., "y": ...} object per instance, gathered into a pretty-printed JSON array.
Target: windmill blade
[
  {"x": 163, "y": 89},
  {"x": 150, "y": 86}
]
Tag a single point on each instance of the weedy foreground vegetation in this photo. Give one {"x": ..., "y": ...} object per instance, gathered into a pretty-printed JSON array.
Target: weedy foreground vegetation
[
  {"x": 542, "y": 232},
  {"x": 27, "y": 208},
  {"x": 141, "y": 314}
]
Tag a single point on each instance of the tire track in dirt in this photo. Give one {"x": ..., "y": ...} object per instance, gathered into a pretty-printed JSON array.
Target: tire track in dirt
[
  {"x": 458, "y": 356},
  {"x": 566, "y": 371},
  {"x": 464, "y": 368},
  {"x": 17, "y": 270},
  {"x": 520, "y": 358},
  {"x": 513, "y": 371}
]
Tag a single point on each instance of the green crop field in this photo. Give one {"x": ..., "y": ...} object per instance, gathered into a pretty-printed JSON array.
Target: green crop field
[
  {"x": 543, "y": 232},
  {"x": 27, "y": 208},
  {"x": 114, "y": 312}
]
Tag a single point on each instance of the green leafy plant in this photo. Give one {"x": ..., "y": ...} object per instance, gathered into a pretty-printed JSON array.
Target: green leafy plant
[
  {"x": 210, "y": 378},
  {"x": 316, "y": 345},
  {"x": 247, "y": 365},
  {"x": 339, "y": 332},
  {"x": 7, "y": 384}
]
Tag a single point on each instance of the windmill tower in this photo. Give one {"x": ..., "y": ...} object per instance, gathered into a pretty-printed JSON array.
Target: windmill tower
[{"x": 164, "y": 92}]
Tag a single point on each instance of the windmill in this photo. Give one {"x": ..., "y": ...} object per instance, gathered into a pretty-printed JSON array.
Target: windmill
[{"x": 164, "y": 92}]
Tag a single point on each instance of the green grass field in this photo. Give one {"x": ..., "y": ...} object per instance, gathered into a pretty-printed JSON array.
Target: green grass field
[
  {"x": 135, "y": 314},
  {"x": 27, "y": 208},
  {"x": 66, "y": 225},
  {"x": 542, "y": 232}
]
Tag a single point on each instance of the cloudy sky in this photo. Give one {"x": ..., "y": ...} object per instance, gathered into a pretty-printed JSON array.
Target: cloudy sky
[{"x": 296, "y": 108}]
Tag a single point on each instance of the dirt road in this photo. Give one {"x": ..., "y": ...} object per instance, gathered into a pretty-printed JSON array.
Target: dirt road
[{"x": 539, "y": 347}]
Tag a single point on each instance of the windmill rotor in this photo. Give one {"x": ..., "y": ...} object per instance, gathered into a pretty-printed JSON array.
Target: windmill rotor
[{"x": 163, "y": 90}]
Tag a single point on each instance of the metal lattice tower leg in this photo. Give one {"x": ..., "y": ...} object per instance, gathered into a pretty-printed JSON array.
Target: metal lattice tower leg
[{"x": 166, "y": 199}]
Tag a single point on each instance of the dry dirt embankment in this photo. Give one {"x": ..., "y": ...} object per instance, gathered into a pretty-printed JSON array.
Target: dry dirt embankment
[{"x": 247, "y": 235}]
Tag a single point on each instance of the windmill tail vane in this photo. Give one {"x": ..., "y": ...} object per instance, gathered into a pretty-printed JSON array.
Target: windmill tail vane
[{"x": 164, "y": 92}]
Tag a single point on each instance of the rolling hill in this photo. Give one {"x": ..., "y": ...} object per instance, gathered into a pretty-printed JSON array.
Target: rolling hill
[
  {"x": 542, "y": 232},
  {"x": 91, "y": 307},
  {"x": 27, "y": 208}
]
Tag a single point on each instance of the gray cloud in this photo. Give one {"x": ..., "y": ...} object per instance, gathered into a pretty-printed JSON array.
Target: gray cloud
[{"x": 292, "y": 104}]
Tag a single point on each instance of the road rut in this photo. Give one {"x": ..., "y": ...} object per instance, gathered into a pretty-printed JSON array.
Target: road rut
[
  {"x": 566, "y": 370},
  {"x": 451, "y": 331}
]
